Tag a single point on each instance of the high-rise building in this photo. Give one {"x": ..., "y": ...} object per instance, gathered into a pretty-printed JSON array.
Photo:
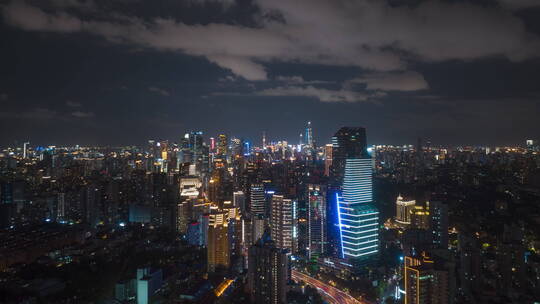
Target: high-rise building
[
  {"x": 420, "y": 217},
  {"x": 223, "y": 147},
  {"x": 351, "y": 192},
  {"x": 438, "y": 212},
  {"x": 268, "y": 272},
  {"x": 25, "y": 150},
  {"x": 237, "y": 147},
  {"x": 316, "y": 220},
  {"x": 327, "y": 159},
  {"x": 258, "y": 226},
  {"x": 257, "y": 201},
  {"x": 149, "y": 281},
  {"x": 218, "y": 249},
  {"x": 309, "y": 135},
  {"x": 283, "y": 223},
  {"x": 239, "y": 201},
  {"x": 425, "y": 282},
  {"x": 212, "y": 145},
  {"x": 198, "y": 150},
  {"x": 403, "y": 210},
  {"x": 182, "y": 217}
]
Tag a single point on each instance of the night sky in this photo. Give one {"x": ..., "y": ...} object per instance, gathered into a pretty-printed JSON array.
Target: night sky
[{"x": 124, "y": 71}]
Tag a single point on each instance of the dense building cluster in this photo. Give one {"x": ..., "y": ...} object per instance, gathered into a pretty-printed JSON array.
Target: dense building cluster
[{"x": 223, "y": 220}]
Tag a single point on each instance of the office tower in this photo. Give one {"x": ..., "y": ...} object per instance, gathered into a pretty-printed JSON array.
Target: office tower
[
  {"x": 25, "y": 150},
  {"x": 212, "y": 145},
  {"x": 194, "y": 234},
  {"x": 351, "y": 193},
  {"x": 61, "y": 207},
  {"x": 148, "y": 282},
  {"x": 420, "y": 217},
  {"x": 204, "y": 219},
  {"x": 425, "y": 282},
  {"x": 91, "y": 198},
  {"x": 438, "y": 212},
  {"x": 470, "y": 264},
  {"x": 125, "y": 290},
  {"x": 283, "y": 223},
  {"x": 309, "y": 135},
  {"x": 264, "y": 140},
  {"x": 316, "y": 220},
  {"x": 268, "y": 272},
  {"x": 258, "y": 225},
  {"x": 327, "y": 159},
  {"x": 258, "y": 202},
  {"x": 239, "y": 201},
  {"x": 218, "y": 249},
  {"x": 222, "y": 148},
  {"x": 403, "y": 210},
  {"x": 237, "y": 147},
  {"x": 182, "y": 217},
  {"x": 198, "y": 150}
]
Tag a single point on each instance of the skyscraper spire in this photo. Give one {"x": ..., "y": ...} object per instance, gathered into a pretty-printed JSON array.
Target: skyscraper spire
[{"x": 309, "y": 135}]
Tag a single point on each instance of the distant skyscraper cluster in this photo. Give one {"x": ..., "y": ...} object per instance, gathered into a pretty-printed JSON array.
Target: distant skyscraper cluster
[{"x": 264, "y": 219}]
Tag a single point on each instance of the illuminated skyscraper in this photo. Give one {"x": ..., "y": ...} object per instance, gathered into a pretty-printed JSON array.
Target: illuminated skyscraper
[
  {"x": 268, "y": 272},
  {"x": 309, "y": 135},
  {"x": 351, "y": 184},
  {"x": 316, "y": 220},
  {"x": 420, "y": 217},
  {"x": 212, "y": 145},
  {"x": 257, "y": 200},
  {"x": 327, "y": 159},
  {"x": 218, "y": 250},
  {"x": 199, "y": 150},
  {"x": 424, "y": 282},
  {"x": 223, "y": 147},
  {"x": 438, "y": 212},
  {"x": 182, "y": 217},
  {"x": 25, "y": 150},
  {"x": 239, "y": 201},
  {"x": 404, "y": 210},
  {"x": 283, "y": 223}
]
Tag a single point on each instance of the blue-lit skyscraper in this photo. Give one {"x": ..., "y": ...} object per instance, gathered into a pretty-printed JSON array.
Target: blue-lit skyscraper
[
  {"x": 309, "y": 135},
  {"x": 356, "y": 219}
]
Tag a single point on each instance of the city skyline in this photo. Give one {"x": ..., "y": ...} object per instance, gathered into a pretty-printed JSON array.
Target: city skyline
[
  {"x": 261, "y": 142},
  {"x": 97, "y": 72}
]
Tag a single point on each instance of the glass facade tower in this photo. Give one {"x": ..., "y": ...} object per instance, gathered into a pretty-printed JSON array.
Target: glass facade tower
[{"x": 357, "y": 217}]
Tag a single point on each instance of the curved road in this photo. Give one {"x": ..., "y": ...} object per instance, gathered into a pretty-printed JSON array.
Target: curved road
[{"x": 330, "y": 293}]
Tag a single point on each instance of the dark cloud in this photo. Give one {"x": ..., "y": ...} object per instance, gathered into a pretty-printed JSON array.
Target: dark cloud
[
  {"x": 405, "y": 81},
  {"x": 80, "y": 114},
  {"x": 159, "y": 91},
  {"x": 20, "y": 14},
  {"x": 73, "y": 104},
  {"x": 367, "y": 34},
  {"x": 519, "y": 4},
  {"x": 323, "y": 95},
  {"x": 98, "y": 71}
]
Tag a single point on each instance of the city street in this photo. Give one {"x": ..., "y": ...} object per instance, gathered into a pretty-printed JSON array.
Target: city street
[{"x": 329, "y": 293}]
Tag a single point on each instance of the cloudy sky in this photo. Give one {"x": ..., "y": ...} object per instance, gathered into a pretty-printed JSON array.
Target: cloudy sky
[{"x": 125, "y": 71}]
